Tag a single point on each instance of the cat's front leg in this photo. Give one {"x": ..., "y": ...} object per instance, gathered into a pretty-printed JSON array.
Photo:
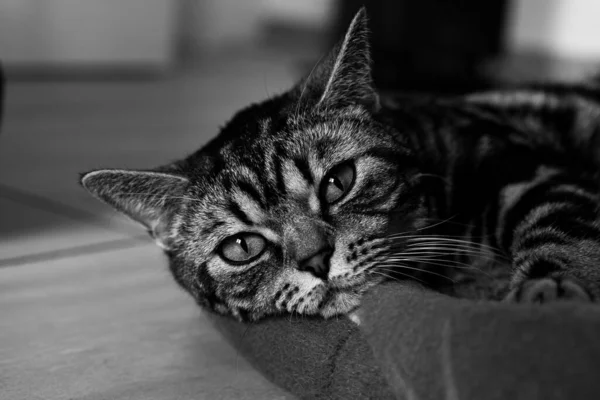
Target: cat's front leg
[{"x": 551, "y": 228}]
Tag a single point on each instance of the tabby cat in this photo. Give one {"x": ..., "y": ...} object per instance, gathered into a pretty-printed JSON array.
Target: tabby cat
[{"x": 305, "y": 201}]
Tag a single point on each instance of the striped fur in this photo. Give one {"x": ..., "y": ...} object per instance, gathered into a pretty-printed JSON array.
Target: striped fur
[{"x": 438, "y": 184}]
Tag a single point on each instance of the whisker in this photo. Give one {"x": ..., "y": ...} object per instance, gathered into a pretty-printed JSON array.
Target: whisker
[
  {"x": 422, "y": 238},
  {"x": 455, "y": 248},
  {"x": 450, "y": 240},
  {"x": 455, "y": 243},
  {"x": 419, "y": 238},
  {"x": 445, "y": 264},
  {"x": 437, "y": 251},
  {"x": 436, "y": 224},
  {"x": 443, "y": 256},
  {"x": 451, "y": 250},
  {"x": 426, "y": 258},
  {"x": 394, "y": 278},
  {"x": 428, "y": 235},
  {"x": 418, "y": 269},
  {"x": 385, "y": 275},
  {"x": 449, "y": 222},
  {"x": 445, "y": 239},
  {"x": 411, "y": 277},
  {"x": 436, "y": 255}
]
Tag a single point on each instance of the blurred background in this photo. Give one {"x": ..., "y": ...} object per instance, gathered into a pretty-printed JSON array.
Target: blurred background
[
  {"x": 136, "y": 83},
  {"x": 424, "y": 40}
]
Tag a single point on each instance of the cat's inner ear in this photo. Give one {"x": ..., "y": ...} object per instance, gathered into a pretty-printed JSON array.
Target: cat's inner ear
[
  {"x": 343, "y": 77},
  {"x": 149, "y": 198}
]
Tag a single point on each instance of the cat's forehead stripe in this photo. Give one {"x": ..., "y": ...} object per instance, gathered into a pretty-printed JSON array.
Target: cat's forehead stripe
[
  {"x": 252, "y": 209},
  {"x": 250, "y": 191},
  {"x": 293, "y": 179},
  {"x": 303, "y": 167},
  {"x": 236, "y": 209}
]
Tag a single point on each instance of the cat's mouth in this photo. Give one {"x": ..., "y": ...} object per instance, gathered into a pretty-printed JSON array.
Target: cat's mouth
[
  {"x": 342, "y": 296},
  {"x": 346, "y": 284},
  {"x": 336, "y": 296},
  {"x": 336, "y": 301}
]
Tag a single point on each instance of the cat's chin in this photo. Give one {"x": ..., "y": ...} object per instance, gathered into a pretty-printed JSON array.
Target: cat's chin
[{"x": 340, "y": 303}]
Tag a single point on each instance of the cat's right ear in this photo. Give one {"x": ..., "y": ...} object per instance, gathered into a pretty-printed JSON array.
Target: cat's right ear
[
  {"x": 147, "y": 197},
  {"x": 342, "y": 78}
]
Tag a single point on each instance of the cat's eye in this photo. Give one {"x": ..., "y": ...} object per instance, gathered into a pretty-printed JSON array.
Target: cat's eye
[
  {"x": 242, "y": 248},
  {"x": 337, "y": 182}
]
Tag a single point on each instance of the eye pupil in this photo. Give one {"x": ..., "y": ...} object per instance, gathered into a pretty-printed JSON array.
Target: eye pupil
[
  {"x": 242, "y": 243},
  {"x": 336, "y": 182},
  {"x": 242, "y": 248}
]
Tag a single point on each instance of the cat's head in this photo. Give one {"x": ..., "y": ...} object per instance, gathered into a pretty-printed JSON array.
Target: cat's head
[{"x": 289, "y": 208}]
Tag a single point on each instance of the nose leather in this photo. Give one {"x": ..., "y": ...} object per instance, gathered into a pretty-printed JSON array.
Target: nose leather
[
  {"x": 311, "y": 246},
  {"x": 318, "y": 263}
]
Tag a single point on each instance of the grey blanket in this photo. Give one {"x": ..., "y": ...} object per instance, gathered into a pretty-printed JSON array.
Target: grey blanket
[{"x": 417, "y": 344}]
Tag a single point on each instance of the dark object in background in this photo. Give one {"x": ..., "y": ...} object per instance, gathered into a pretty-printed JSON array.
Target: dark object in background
[{"x": 429, "y": 45}]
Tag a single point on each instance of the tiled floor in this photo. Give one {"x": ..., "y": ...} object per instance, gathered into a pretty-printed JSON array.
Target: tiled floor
[{"x": 87, "y": 308}]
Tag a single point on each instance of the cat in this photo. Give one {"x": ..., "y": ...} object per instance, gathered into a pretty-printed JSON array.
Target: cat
[{"x": 307, "y": 200}]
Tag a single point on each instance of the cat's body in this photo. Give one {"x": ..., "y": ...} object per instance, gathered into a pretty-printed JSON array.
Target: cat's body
[
  {"x": 307, "y": 200},
  {"x": 517, "y": 170}
]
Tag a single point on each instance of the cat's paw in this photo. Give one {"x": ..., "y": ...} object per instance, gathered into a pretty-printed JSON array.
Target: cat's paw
[{"x": 547, "y": 290}]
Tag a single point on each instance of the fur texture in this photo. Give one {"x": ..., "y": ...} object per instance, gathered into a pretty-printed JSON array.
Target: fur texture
[{"x": 305, "y": 201}]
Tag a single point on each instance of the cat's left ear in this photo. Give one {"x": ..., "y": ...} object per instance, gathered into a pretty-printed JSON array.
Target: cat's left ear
[
  {"x": 343, "y": 78},
  {"x": 147, "y": 197}
]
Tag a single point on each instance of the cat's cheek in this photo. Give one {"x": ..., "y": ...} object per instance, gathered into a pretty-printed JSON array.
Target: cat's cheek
[{"x": 339, "y": 268}]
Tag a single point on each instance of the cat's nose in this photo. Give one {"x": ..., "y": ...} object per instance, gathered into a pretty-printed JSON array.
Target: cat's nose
[{"x": 318, "y": 263}]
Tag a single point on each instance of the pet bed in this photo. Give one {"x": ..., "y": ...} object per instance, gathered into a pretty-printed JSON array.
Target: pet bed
[{"x": 418, "y": 344}]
